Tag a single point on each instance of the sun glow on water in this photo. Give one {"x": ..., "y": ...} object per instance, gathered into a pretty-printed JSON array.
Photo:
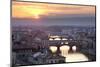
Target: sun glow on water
[{"x": 76, "y": 57}]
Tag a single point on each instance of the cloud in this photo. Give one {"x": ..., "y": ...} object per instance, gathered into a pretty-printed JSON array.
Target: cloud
[{"x": 34, "y": 10}]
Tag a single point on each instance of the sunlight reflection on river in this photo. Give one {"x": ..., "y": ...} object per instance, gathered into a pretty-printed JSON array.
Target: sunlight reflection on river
[
  {"x": 70, "y": 57},
  {"x": 76, "y": 57}
]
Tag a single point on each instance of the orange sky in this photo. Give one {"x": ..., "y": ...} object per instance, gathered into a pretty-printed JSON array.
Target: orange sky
[{"x": 37, "y": 10}]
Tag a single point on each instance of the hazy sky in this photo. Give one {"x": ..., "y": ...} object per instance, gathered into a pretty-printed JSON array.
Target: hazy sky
[{"x": 29, "y": 13}]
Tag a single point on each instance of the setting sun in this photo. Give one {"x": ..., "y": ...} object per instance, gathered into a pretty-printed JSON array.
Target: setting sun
[
  {"x": 36, "y": 16},
  {"x": 36, "y": 13}
]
